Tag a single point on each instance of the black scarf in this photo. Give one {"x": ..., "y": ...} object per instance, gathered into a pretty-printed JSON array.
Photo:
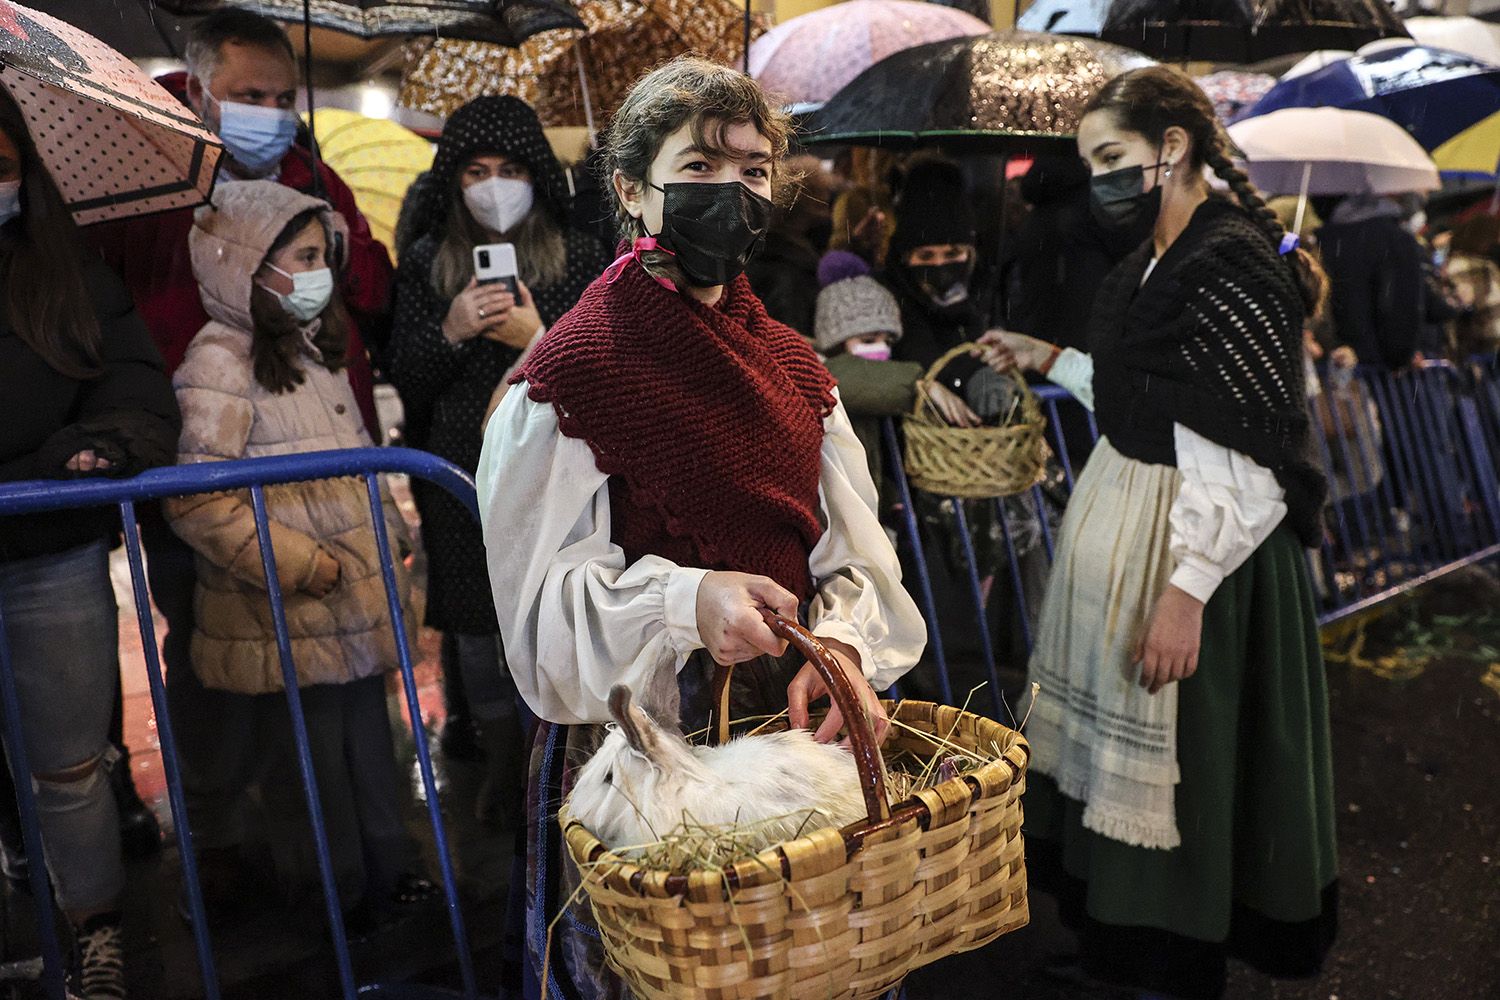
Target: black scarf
[{"x": 1212, "y": 341}]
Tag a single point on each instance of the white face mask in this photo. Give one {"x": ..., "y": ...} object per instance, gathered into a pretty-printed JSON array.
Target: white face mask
[
  {"x": 499, "y": 203},
  {"x": 311, "y": 291},
  {"x": 871, "y": 352},
  {"x": 10, "y": 200}
]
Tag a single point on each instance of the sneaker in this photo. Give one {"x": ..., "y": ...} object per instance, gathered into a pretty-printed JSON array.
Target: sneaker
[{"x": 101, "y": 958}]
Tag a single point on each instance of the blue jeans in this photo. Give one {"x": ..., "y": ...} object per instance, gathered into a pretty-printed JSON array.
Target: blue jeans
[{"x": 60, "y": 620}]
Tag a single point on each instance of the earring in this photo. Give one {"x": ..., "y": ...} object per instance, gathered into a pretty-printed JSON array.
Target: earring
[{"x": 1168, "y": 171}]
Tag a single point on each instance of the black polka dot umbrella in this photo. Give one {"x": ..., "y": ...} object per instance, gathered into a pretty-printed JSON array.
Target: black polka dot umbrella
[{"x": 115, "y": 143}]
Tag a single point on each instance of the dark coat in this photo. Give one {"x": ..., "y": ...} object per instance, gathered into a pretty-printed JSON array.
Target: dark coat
[
  {"x": 128, "y": 414},
  {"x": 1061, "y": 255},
  {"x": 1376, "y": 288},
  {"x": 445, "y": 389}
]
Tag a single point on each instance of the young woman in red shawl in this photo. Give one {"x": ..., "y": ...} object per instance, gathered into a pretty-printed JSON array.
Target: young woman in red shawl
[{"x": 670, "y": 462}]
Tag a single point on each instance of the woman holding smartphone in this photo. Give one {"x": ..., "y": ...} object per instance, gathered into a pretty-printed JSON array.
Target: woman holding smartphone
[{"x": 453, "y": 342}]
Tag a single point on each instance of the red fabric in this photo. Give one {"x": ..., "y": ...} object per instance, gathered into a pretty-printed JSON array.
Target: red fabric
[
  {"x": 151, "y": 256},
  {"x": 707, "y": 419}
]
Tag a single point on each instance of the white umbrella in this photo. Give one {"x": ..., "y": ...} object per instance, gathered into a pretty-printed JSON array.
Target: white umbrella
[
  {"x": 1307, "y": 151},
  {"x": 1468, "y": 35},
  {"x": 1314, "y": 61}
]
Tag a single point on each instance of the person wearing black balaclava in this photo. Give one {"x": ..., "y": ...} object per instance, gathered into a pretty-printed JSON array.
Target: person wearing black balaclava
[{"x": 929, "y": 267}]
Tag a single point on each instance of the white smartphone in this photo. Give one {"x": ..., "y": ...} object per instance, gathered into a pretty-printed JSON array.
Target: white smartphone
[{"x": 496, "y": 262}]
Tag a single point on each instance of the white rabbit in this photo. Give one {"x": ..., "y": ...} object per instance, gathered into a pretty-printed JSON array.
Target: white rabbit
[{"x": 645, "y": 781}]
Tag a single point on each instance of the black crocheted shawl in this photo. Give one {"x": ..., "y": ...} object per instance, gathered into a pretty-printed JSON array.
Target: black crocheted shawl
[{"x": 1212, "y": 340}]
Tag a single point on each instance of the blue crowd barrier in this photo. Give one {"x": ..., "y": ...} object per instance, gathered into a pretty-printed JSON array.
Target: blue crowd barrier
[
  {"x": 1431, "y": 506},
  {"x": 1413, "y": 457},
  {"x": 252, "y": 475}
]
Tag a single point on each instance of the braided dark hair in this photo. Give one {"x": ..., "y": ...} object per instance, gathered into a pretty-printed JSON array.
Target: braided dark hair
[{"x": 1150, "y": 100}]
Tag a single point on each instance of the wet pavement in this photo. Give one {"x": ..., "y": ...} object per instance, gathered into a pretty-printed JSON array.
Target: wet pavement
[{"x": 1417, "y": 766}]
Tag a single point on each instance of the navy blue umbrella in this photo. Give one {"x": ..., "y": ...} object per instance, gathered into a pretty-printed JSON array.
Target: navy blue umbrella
[{"x": 1432, "y": 93}]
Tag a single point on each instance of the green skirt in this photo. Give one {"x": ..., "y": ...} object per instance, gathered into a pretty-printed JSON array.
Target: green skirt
[{"x": 1257, "y": 865}]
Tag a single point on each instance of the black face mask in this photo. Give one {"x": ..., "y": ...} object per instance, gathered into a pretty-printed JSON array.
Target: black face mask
[
  {"x": 945, "y": 285},
  {"x": 713, "y": 229},
  {"x": 1119, "y": 200}
]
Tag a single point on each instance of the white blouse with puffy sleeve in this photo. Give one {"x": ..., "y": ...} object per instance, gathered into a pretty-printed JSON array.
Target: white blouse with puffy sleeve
[{"x": 577, "y": 619}]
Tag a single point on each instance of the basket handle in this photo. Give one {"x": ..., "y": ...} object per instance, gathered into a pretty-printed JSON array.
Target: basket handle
[
  {"x": 1029, "y": 405},
  {"x": 862, "y": 742}
]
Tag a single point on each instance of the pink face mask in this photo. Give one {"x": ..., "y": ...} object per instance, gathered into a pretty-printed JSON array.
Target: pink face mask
[{"x": 871, "y": 352}]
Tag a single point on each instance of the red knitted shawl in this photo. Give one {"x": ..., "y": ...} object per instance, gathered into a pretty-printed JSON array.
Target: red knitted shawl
[{"x": 707, "y": 419}]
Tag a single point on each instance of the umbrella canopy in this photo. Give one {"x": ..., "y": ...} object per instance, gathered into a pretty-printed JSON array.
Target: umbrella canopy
[
  {"x": 1335, "y": 151},
  {"x": 115, "y": 143},
  {"x": 1468, "y": 35},
  {"x": 499, "y": 22},
  {"x": 1314, "y": 61},
  {"x": 1065, "y": 17},
  {"x": 810, "y": 58},
  {"x": 377, "y": 158},
  {"x": 1234, "y": 92},
  {"x": 1005, "y": 92},
  {"x": 1432, "y": 93},
  {"x": 625, "y": 40},
  {"x": 1240, "y": 31}
]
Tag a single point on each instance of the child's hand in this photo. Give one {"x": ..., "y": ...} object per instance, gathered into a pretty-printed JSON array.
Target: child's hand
[
  {"x": 953, "y": 409},
  {"x": 325, "y": 576},
  {"x": 809, "y": 686},
  {"x": 730, "y": 623},
  {"x": 1168, "y": 652}
]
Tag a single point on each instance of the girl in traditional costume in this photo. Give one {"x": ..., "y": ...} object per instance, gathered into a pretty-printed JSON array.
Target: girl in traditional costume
[
  {"x": 670, "y": 463},
  {"x": 1181, "y": 769}
]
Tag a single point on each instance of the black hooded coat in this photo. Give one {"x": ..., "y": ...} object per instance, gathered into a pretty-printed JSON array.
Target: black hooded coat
[{"x": 445, "y": 388}]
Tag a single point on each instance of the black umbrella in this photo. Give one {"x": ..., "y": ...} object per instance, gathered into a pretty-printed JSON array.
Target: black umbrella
[
  {"x": 1233, "y": 31},
  {"x": 1006, "y": 92},
  {"x": 500, "y": 22}
]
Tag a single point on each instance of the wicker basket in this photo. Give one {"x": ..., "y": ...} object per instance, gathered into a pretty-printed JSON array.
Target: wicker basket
[
  {"x": 973, "y": 462},
  {"x": 838, "y": 914}
]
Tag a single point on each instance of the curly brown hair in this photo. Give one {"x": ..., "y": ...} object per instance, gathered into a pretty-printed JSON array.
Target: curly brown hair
[
  {"x": 708, "y": 98},
  {"x": 1150, "y": 100}
]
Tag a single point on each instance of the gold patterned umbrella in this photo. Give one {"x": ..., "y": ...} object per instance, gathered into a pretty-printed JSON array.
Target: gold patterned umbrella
[{"x": 625, "y": 39}]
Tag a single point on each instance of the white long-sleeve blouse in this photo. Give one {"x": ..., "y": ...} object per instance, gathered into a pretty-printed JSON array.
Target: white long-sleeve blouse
[
  {"x": 1228, "y": 503},
  {"x": 577, "y": 619}
]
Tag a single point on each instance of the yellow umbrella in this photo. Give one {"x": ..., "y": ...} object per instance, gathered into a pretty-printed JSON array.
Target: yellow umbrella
[
  {"x": 1475, "y": 150},
  {"x": 378, "y": 159}
]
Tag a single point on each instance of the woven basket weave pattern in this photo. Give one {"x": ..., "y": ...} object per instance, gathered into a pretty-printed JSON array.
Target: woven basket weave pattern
[
  {"x": 974, "y": 463},
  {"x": 841, "y": 923}
]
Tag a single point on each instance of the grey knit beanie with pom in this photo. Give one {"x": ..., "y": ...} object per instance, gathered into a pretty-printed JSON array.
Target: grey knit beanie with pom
[{"x": 852, "y": 304}]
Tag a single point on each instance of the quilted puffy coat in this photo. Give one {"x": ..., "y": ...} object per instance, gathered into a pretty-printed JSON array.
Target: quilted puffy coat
[{"x": 227, "y": 414}]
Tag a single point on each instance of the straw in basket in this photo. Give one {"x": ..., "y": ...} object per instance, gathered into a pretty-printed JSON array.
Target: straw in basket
[
  {"x": 841, "y": 914},
  {"x": 974, "y": 463}
]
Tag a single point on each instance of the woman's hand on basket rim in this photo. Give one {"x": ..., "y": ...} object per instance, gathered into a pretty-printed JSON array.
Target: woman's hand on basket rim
[
  {"x": 730, "y": 623},
  {"x": 1005, "y": 351},
  {"x": 808, "y": 686}
]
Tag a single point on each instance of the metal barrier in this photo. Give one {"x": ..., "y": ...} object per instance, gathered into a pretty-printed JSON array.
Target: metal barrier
[
  {"x": 1429, "y": 505},
  {"x": 254, "y": 475}
]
